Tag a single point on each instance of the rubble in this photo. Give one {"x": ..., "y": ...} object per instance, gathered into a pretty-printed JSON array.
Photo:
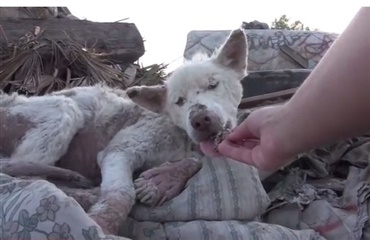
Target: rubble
[
  {"x": 255, "y": 25},
  {"x": 326, "y": 189}
]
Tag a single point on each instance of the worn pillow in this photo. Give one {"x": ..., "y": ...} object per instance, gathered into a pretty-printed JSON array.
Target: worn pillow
[{"x": 223, "y": 189}]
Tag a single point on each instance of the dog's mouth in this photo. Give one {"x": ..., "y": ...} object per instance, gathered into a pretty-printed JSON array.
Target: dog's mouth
[
  {"x": 215, "y": 135},
  {"x": 209, "y": 146}
]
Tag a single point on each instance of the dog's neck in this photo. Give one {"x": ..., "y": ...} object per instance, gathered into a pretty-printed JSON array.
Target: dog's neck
[{"x": 193, "y": 147}]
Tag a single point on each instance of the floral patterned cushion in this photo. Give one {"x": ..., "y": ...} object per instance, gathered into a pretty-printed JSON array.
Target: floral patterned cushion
[{"x": 36, "y": 209}]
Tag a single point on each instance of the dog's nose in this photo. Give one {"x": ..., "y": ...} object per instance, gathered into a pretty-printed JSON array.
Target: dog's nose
[{"x": 201, "y": 121}]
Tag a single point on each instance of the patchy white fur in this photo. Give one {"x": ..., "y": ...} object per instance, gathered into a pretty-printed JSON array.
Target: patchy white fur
[
  {"x": 198, "y": 57},
  {"x": 148, "y": 140},
  {"x": 58, "y": 118},
  {"x": 11, "y": 100}
]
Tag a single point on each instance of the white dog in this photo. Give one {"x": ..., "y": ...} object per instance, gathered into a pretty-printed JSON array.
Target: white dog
[{"x": 107, "y": 134}]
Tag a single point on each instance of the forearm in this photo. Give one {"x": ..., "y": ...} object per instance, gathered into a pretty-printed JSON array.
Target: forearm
[{"x": 334, "y": 101}]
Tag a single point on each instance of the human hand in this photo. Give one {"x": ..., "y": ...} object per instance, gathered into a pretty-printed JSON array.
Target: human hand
[{"x": 256, "y": 141}]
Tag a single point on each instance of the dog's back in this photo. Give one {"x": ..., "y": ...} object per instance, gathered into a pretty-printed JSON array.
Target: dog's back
[{"x": 9, "y": 100}]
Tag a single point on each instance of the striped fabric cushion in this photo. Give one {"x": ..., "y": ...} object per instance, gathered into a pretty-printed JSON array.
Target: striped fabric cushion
[{"x": 223, "y": 189}]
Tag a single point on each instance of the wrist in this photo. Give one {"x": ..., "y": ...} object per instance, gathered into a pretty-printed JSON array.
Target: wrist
[{"x": 286, "y": 137}]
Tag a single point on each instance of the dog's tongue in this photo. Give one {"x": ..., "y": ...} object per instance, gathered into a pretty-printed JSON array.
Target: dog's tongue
[{"x": 208, "y": 148}]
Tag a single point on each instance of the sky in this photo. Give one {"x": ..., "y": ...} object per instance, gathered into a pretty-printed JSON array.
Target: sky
[{"x": 164, "y": 24}]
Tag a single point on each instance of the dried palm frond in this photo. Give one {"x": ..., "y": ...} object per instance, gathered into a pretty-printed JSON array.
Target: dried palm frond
[
  {"x": 40, "y": 65},
  {"x": 93, "y": 69},
  {"x": 150, "y": 75},
  {"x": 40, "y": 12}
]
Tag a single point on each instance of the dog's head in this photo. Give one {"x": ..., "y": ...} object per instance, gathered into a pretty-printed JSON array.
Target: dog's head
[{"x": 201, "y": 97}]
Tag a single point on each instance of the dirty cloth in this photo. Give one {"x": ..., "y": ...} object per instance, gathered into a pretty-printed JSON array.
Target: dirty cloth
[
  {"x": 327, "y": 190},
  {"x": 37, "y": 209},
  {"x": 214, "y": 230}
]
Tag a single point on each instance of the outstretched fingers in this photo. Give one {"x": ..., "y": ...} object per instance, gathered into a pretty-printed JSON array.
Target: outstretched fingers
[
  {"x": 241, "y": 132},
  {"x": 248, "y": 152}
]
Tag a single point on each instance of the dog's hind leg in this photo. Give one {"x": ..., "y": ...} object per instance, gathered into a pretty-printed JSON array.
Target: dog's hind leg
[
  {"x": 56, "y": 120},
  {"x": 21, "y": 169}
]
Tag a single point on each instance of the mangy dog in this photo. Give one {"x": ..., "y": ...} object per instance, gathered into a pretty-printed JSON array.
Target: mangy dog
[{"x": 107, "y": 134}]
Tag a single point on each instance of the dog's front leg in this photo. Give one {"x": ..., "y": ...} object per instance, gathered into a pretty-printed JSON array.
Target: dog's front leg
[
  {"x": 117, "y": 192},
  {"x": 160, "y": 184}
]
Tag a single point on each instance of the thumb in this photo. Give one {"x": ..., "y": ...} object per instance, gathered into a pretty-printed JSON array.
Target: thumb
[
  {"x": 241, "y": 132},
  {"x": 254, "y": 156}
]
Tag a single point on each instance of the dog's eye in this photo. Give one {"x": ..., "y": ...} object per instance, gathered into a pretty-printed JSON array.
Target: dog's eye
[
  {"x": 180, "y": 101},
  {"x": 212, "y": 85}
]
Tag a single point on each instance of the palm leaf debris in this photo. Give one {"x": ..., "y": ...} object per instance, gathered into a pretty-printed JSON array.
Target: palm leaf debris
[{"x": 36, "y": 65}]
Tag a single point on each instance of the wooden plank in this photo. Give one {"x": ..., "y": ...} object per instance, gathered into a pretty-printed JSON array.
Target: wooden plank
[
  {"x": 262, "y": 82},
  {"x": 294, "y": 56},
  {"x": 251, "y": 102}
]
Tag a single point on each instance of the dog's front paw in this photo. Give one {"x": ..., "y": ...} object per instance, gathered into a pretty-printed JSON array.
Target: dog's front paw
[{"x": 163, "y": 183}]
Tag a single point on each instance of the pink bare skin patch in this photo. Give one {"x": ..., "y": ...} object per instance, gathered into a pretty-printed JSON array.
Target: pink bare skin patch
[{"x": 85, "y": 197}]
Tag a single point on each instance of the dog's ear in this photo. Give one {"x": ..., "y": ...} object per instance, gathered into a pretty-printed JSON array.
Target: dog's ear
[
  {"x": 152, "y": 98},
  {"x": 233, "y": 53}
]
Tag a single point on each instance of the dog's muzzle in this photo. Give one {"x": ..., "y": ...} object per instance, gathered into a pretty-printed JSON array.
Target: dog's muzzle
[{"x": 205, "y": 124}]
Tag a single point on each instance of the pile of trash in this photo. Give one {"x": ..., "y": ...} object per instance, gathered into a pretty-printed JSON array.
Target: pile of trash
[{"x": 326, "y": 189}]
